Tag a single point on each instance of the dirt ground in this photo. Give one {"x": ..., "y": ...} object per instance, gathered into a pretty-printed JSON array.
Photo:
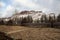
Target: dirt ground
[{"x": 30, "y": 33}]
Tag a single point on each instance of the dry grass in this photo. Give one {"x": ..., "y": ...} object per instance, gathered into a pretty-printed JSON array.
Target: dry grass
[
  {"x": 11, "y": 28},
  {"x": 29, "y": 33}
]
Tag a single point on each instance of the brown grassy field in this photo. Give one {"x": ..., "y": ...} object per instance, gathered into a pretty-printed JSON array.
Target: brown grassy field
[{"x": 30, "y": 33}]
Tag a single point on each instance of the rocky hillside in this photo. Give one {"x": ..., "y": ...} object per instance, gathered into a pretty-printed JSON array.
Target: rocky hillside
[{"x": 34, "y": 14}]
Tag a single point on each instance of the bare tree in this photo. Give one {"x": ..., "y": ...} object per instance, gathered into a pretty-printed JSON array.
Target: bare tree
[
  {"x": 27, "y": 19},
  {"x": 58, "y": 18},
  {"x": 44, "y": 18},
  {"x": 1, "y": 22},
  {"x": 37, "y": 21},
  {"x": 10, "y": 22},
  {"x": 52, "y": 19}
]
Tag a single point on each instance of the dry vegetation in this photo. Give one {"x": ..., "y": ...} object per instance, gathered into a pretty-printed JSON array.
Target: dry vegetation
[{"x": 29, "y": 33}]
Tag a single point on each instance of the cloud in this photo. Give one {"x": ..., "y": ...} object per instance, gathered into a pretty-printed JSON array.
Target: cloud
[
  {"x": 46, "y": 6},
  {"x": 2, "y": 4},
  {"x": 22, "y": 5},
  {"x": 26, "y": 3},
  {"x": 8, "y": 11},
  {"x": 9, "y": 8},
  {"x": 29, "y": 4}
]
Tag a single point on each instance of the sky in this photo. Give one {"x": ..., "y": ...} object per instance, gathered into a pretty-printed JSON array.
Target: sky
[{"x": 8, "y": 7}]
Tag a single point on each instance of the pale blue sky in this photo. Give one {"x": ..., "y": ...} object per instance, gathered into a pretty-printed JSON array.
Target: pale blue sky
[{"x": 7, "y": 7}]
